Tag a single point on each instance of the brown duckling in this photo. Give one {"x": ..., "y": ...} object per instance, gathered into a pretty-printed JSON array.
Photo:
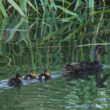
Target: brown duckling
[
  {"x": 45, "y": 75},
  {"x": 31, "y": 75},
  {"x": 16, "y": 81},
  {"x": 77, "y": 69}
]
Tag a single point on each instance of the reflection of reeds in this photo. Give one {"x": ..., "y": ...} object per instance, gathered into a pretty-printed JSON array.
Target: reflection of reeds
[{"x": 36, "y": 57}]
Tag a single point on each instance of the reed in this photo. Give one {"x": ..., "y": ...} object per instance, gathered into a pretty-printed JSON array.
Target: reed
[
  {"x": 35, "y": 24},
  {"x": 60, "y": 20}
]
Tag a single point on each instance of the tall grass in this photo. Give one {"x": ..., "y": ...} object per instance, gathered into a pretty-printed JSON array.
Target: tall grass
[
  {"x": 59, "y": 20},
  {"x": 51, "y": 23}
]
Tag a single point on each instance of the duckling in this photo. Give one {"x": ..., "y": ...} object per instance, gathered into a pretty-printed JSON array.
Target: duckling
[
  {"x": 45, "y": 75},
  {"x": 16, "y": 81},
  {"x": 31, "y": 75},
  {"x": 76, "y": 69}
]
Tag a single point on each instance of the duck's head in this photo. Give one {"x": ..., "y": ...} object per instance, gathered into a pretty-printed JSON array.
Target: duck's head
[
  {"x": 33, "y": 73},
  {"x": 98, "y": 51},
  {"x": 18, "y": 76},
  {"x": 47, "y": 72}
]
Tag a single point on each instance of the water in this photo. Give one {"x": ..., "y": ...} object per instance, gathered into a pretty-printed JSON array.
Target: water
[{"x": 56, "y": 93}]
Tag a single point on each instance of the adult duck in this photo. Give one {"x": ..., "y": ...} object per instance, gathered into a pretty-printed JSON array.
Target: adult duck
[
  {"x": 31, "y": 75},
  {"x": 16, "y": 81},
  {"x": 78, "y": 69},
  {"x": 45, "y": 75}
]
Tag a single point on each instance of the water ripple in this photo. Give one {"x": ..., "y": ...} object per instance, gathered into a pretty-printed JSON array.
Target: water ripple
[{"x": 4, "y": 83}]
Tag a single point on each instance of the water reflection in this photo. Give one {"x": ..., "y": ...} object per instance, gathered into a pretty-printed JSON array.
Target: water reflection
[
  {"x": 103, "y": 99},
  {"x": 57, "y": 93}
]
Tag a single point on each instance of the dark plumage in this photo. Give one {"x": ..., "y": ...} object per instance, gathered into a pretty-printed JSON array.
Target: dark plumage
[
  {"x": 85, "y": 68},
  {"x": 45, "y": 75},
  {"x": 77, "y": 69},
  {"x": 16, "y": 81},
  {"x": 31, "y": 75}
]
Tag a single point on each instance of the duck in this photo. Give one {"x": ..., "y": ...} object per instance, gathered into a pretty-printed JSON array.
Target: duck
[
  {"x": 31, "y": 75},
  {"x": 84, "y": 68},
  {"x": 46, "y": 75},
  {"x": 16, "y": 81}
]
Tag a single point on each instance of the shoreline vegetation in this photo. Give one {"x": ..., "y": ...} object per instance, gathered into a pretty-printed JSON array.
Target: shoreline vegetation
[{"x": 60, "y": 29}]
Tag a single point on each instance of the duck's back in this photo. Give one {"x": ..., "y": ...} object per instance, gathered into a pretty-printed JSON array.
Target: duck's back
[
  {"x": 81, "y": 68},
  {"x": 10, "y": 82},
  {"x": 14, "y": 82}
]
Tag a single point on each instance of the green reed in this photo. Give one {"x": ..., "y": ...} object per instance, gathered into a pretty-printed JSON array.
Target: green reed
[
  {"x": 58, "y": 25},
  {"x": 54, "y": 20}
]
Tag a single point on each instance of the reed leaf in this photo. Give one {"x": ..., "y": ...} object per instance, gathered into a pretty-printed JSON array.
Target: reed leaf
[
  {"x": 23, "y": 5},
  {"x": 77, "y": 5},
  {"x": 67, "y": 11},
  {"x": 55, "y": 33},
  {"x": 13, "y": 32},
  {"x": 31, "y": 5},
  {"x": 65, "y": 1},
  {"x": 52, "y": 4},
  {"x": 3, "y": 26},
  {"x": 71, "y": 35},
  {"x": 43, "y": 4},
  {"x": 3, "y": 9},
  {"x": 91, "y": 8},
  {"x": 16, "y": 7}
]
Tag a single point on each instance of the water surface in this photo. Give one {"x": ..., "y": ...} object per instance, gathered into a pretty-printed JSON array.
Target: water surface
[{"x": 57, "y": 93}]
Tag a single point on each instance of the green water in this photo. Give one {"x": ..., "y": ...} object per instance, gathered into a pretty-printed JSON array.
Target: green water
[
  {"x": 57, "y": 93},
  {"x": 51, "y": 34}
]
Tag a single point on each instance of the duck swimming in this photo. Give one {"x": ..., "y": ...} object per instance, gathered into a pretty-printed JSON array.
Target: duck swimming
[
  {"x": 77, "y": 69},
  {"x": 31, "y": 75},
  {"x": 16, "y": 81},
  {"x": 45, "y": 75}
]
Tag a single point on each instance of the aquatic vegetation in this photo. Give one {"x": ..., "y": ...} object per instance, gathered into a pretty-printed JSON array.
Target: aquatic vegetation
[
  {"x": 34, "y": 25},
  {"x": 54, "y": 21}
]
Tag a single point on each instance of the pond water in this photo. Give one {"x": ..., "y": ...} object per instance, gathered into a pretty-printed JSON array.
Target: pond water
[{"x": 56, "y": 93}]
